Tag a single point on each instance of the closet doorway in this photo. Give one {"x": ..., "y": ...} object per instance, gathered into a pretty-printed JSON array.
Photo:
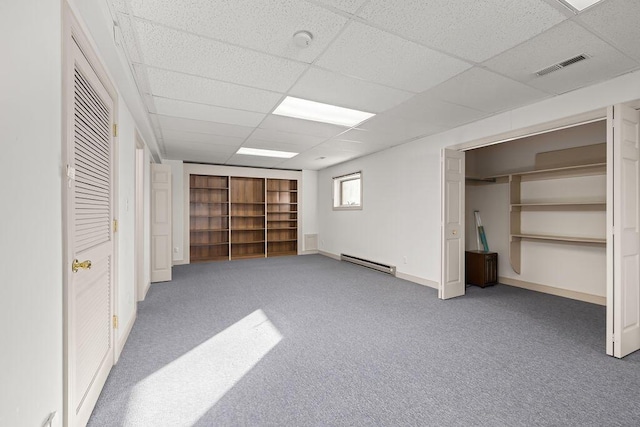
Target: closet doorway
[{"x": 549, "y": 199}]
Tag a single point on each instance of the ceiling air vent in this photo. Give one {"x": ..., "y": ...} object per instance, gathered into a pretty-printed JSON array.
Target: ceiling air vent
[{"x": 560, "y": 65}]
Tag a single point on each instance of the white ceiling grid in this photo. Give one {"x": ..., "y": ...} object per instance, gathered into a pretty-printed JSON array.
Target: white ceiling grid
[{"x": 212, "y": 71}]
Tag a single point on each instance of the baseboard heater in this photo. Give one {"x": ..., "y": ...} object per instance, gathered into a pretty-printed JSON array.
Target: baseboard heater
[{"x": 389, "y": 269}]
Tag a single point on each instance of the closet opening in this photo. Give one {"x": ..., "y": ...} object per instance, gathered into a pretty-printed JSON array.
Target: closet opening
[{"x": 542, "y": 201}]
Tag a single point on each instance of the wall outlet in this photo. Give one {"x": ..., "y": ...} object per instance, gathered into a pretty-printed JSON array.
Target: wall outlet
[
  {"x": 175, "y": 250},
  {"x": 404, "y": 259}
]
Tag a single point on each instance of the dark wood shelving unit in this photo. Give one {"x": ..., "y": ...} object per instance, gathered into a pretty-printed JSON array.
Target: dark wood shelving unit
[
  {"x": 209, "y": 218},
  {"x": 282, "y": 217},
  {"x": 247, "y": 217},
  {"x": 241, "y": 217}
]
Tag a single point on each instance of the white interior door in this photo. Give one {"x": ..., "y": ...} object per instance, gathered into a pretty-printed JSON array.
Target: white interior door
[
  {"x": 623, "y": 293},
  {"x": 160, "y": 223},
  {"x": 89, "y": 199},
  {"x": 452, "y": 281}
]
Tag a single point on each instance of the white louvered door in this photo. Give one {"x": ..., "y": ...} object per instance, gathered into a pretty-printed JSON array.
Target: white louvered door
[{"x": 90, "y": 238}]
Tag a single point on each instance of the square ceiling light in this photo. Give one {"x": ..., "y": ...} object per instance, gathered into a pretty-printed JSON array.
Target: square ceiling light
[
  {"x": 266, "y": 153},
  {"x": 579, "y": 5},
  {"x": 319, "y": 112}
]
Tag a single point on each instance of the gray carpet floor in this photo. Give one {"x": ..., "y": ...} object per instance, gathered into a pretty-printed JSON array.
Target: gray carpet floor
[{"x": 310, "y": 341}]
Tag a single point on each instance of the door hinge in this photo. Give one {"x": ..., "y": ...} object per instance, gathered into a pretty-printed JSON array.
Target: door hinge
[
  {"x": 115, "y": 322},
  {"x": 115, "y": 225},
  {"x": 115, "y": 129}
]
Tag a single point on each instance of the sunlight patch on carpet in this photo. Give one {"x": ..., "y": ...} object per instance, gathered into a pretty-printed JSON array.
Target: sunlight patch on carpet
[{"x": 185, "y": 389}]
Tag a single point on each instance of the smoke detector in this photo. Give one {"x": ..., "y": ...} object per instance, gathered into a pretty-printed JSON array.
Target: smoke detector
[{"x": 302, "y": 39}]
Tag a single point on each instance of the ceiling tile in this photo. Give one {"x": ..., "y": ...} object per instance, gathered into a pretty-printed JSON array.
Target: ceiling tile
[
  {"x": 128, "y": 35},
  {"x": 569, "y": 39},
  {"x": 192, "y": 54},
  {"x": 349, "y": 6},
  {"x": 390, "y": 128},
  {"x": 267, "y": 26},
  {"x": 189, "y": 110},
  {"x": 486, "y": 91},
  {"x": 207, "y": 148},
  {"x": 471, "y": 29},
  {"x": 619, "y": 22},
  {"x": 356, "y": 147},
  {"x": 424, "y": 108},
  {"x": 336, "y": 89},
  {"x": 119, "y": 5},
  {"x": 370, "y": 54},
  {"x": 201, "y": 126},
  {"x": 362, "y": 136},
  {"x": 202, "y": 138},
  {"x": 170, "y": 84},
  {"x": 286, "y": 137},
  {"x": 313, "y": 159},
  {"x": 305, "y": 127},
  {"x": 196, "y": 156}
]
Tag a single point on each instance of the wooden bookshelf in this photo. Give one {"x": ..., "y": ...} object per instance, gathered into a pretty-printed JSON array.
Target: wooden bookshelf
[
  {"x": 282, "y": 217},
  {"x": 240, "y": 217},
  {"x": 247, "y": 217},
  {"x": 209, "y": 218}
]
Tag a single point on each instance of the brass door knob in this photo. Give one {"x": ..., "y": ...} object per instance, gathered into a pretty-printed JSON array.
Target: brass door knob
[{"x": 77, "y": 265}]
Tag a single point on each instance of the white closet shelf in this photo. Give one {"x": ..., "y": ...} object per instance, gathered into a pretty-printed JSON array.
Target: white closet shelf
[
  {"x": 570, "y": 239},
  {"x": 577, "y": 205}
]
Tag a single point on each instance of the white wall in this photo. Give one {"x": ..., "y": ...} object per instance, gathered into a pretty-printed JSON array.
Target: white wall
[
  {"x": 401, "y": 185},
  {"x": 126, "y": 169},
  {"x": 308, "y": 198},
  {"x": 177, "y": 213},
  {"x": 400, "y": 215},
  {"x": 31, "y": 217}
]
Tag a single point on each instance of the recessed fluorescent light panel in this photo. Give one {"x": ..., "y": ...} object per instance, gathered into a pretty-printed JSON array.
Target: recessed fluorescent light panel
[
  {"x": 319, "y": 112},
  {"x": 266, "y": 153},
  {"x": 579, "y": 5}
]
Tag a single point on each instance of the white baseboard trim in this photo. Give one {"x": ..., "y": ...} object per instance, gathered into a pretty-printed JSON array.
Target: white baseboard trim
[
  {"x": 147, "y": 286},
  {"x": 309, "y": 253},
  {"x": 125, "y": 334},
  {"x": 419, "y": 280},
  {"x": 399, "y": 275},
  {"x": 330, "y": 255},
  {"x": 580, "y": 296},
  {"x": 179, "y": 262}
]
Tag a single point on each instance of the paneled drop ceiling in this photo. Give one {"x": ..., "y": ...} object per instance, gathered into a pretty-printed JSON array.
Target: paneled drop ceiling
[{"x": 212, "y": 71}]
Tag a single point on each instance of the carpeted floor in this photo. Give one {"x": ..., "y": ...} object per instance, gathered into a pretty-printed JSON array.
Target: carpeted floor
[{"x": 310, "y": 341}]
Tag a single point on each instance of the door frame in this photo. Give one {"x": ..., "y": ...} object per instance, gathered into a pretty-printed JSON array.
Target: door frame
[
  {"x": 74, "y": 32},
  {"x": 139, "y": 219},
  {"x": 542, "y": 128}
]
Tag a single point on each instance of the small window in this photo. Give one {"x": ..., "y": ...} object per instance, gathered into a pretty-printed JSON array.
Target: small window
[{"x": 347, "y": 191}]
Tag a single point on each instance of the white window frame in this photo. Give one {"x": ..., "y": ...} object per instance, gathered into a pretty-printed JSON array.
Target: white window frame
[{"x": 337, "y": 191}]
